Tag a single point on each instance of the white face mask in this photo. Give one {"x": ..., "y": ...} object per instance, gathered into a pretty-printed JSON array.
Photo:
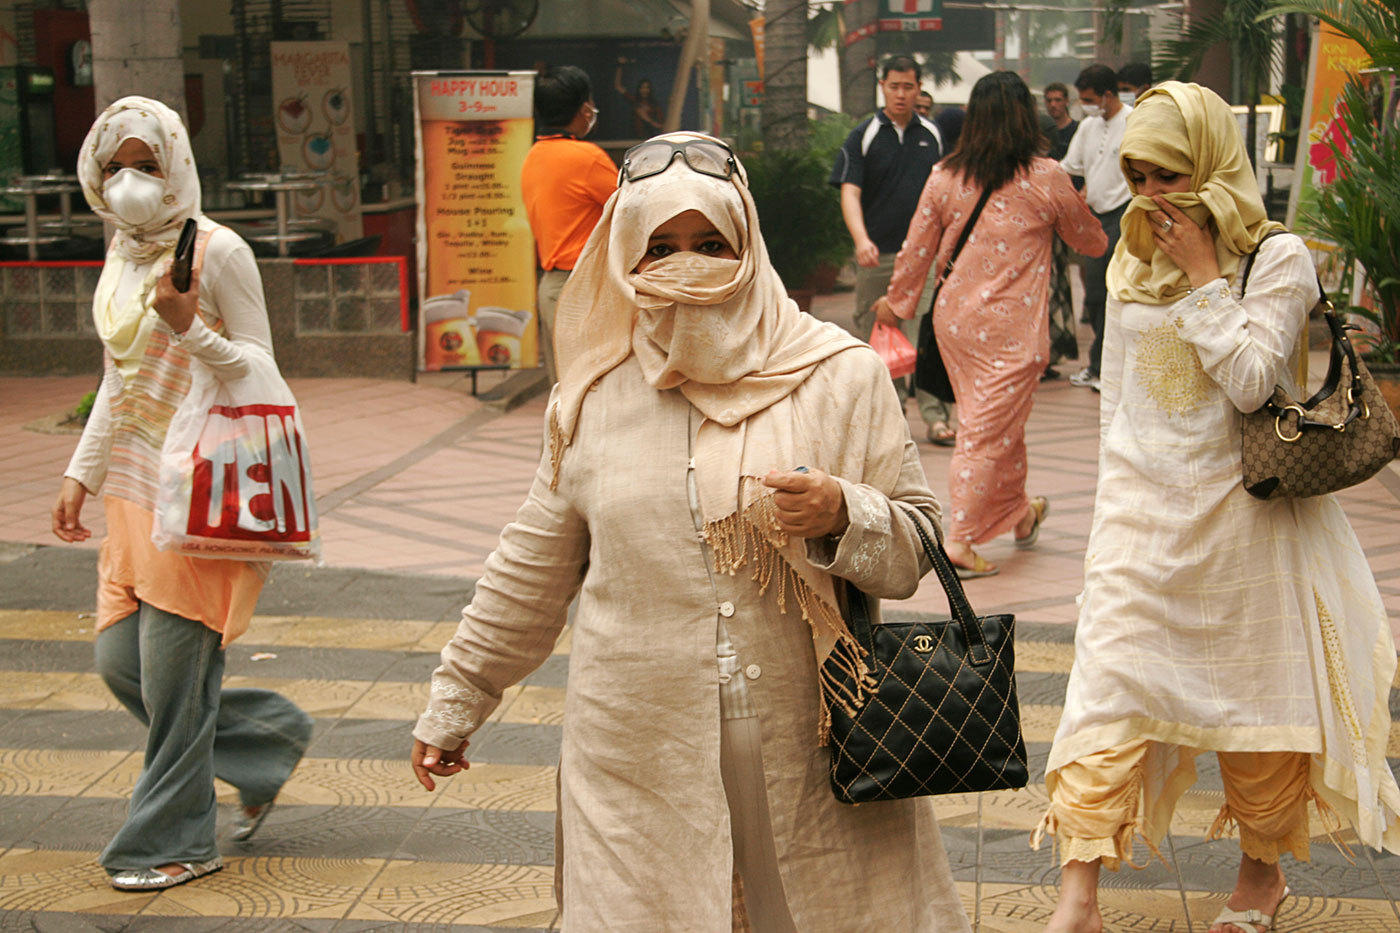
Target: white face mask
[
  {"x": 134, "y": 196},
  {"x": 1091, "y": 110},
  {"x": 1127, "y": 97}
]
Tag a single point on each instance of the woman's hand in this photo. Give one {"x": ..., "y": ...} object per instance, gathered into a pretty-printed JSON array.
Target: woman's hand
[
  {"x": 810, "y": 504},
  {"x": 884, "y": 313},
  {"x": 71, "y": 496},
  {"x": 177, "y": 309},
  {"x": 428, "y": 760},
  {"x": 1189, "y": 246}
]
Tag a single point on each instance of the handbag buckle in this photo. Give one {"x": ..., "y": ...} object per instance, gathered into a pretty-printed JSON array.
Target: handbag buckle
[{"x": 1278, "y": 423}]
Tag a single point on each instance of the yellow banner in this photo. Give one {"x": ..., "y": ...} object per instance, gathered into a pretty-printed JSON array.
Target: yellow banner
[{"x": 476, "y": 255}]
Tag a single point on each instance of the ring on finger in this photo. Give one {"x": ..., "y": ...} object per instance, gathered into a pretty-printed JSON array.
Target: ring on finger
[{"x": 1167, "y": 224}]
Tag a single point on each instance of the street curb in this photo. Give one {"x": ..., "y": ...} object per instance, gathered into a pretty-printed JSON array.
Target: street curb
[{"x": 515, "y": 391}]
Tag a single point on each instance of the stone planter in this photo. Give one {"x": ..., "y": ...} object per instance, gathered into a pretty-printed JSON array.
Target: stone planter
[{"x": 1387, "y": 376}]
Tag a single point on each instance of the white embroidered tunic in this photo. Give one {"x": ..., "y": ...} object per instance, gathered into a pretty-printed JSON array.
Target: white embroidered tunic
[
  {"x": 645, "y": 819},
  {"x": 1211, "y": 620}
]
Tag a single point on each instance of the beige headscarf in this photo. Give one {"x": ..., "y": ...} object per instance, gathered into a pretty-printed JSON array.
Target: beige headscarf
[
  {"x": 126, "y": 329},
  {"x": 1188, "y": 129},
  {"x": 724, "y": 333}
]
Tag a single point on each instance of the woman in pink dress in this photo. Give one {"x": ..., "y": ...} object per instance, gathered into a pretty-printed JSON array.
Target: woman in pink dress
[{"x": 990, "y": 317}]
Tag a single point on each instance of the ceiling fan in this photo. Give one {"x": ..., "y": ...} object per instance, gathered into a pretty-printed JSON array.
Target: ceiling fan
[{"x": 500, "y": 19}]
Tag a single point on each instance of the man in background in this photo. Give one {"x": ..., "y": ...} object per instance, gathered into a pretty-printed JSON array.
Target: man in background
[
  {"x": 923, "y": 105},
  {"x": 1057, "y": 106},
  {"x": 1059, "y": 129},
  {"x": 1134, "y": 79},
  {"x": 1093, "y": 153},
  {"x": 565, "y": 182},
  {"x": 881, "y": 170}
]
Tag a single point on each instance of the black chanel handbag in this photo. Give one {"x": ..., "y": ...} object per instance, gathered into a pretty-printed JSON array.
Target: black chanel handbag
[
  {"x": 1344, "y": 434},
  {"x": 942, "y": 717}
]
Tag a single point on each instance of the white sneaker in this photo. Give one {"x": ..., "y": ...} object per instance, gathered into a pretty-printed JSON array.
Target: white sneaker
[{"x": 1085, "y": 380}]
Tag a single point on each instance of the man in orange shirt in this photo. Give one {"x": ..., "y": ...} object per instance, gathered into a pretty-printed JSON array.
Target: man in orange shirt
[{"x": 565, "y": 182}]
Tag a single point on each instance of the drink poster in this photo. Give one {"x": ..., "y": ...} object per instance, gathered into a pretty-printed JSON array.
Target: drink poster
[
  {"x": 315, "y": 120},
  {"x": 476, "y": 255},
  {"x": 1334, "y": 58}
]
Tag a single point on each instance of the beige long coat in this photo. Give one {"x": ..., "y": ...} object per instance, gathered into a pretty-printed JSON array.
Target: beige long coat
[{"x": 645, "y": 819}]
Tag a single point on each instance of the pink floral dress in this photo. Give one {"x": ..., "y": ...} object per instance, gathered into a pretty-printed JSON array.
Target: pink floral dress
[{"x": 991, "y": 322}]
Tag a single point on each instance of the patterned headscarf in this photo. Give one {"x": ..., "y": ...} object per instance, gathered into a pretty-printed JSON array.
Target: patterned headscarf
[{"x": 159, "y": 127}]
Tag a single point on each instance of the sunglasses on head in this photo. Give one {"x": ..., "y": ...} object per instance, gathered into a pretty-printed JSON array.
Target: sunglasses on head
[{"x": 705, "y": 156}]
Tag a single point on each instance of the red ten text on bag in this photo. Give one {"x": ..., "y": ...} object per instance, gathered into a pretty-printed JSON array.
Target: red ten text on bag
[{"x": 251, "y": 475}]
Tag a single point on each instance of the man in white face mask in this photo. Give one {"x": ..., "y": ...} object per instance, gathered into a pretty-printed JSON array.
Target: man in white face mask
[
  {"x": 1093, "y": 153},
  {"x": 1134, "y": 79}
]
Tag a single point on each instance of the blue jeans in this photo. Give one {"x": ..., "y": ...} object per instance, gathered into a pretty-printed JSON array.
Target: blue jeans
[
  {"x": 167, "y": 671},
  {"x": 1096, "y": 286}
]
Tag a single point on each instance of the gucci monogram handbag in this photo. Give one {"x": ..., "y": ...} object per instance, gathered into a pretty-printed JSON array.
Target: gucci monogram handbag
[
  {"x": 1344, "y": 434},
  {"x": 942, "y": 717}
]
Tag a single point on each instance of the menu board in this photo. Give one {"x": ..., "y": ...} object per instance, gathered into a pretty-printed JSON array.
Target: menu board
[
  {"x": 315, "y": 123},
  {"x": 476, "y": 255}
]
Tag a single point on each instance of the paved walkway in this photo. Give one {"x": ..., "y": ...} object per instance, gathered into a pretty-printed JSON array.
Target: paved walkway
[{"x": 414, "y": 482}]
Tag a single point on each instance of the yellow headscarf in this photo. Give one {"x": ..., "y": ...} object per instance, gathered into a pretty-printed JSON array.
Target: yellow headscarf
[{"x": 1188, "y": 129}]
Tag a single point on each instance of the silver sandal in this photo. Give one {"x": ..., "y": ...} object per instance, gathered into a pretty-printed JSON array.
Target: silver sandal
[
  {"x": 247, "y": 825},
  {"x": 153, "y": 879}
]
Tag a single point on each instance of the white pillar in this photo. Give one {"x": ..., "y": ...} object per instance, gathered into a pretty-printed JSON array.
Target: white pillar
[{"x": 136, "y": 49}]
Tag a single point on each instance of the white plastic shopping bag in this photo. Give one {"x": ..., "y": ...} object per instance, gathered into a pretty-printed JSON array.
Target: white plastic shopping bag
[{"x": 235, "y": 473}]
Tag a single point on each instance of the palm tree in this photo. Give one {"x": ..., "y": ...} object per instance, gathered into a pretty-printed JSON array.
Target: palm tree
[
  {"x": 1359, "y": 207},
  {"x": 1251, "y": 28},
  {"x": 785, "y": 74}
]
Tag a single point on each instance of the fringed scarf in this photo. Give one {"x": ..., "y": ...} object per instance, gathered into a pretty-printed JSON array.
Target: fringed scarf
[{"x": 724, "y": 333}]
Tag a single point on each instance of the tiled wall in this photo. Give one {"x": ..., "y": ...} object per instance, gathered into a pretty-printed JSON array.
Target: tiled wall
[{"x": 327, "y": 320}]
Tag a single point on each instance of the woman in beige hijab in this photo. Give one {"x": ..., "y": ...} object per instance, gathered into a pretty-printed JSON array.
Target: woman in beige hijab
[
  {"x": 719, "y": 467},
  {"x": 1211, "y": 621}
]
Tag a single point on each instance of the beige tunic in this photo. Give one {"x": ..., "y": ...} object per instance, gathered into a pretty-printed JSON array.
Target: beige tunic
[{"x": 645, "y": 820}]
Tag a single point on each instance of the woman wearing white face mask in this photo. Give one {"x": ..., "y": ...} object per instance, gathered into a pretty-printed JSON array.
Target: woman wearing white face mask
[{"x": 163, "y": 618}]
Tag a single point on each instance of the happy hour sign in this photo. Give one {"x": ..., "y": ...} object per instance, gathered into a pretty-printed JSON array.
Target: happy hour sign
[{"x": 316, "y": 129}]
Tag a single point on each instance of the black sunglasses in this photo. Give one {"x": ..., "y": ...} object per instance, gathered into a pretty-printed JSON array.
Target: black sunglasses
[{"x": 705, "y": 156}]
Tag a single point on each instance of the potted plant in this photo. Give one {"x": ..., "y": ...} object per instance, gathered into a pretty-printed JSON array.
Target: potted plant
[
  {"x": 1360, "y": 207},
  {"x": 800, "y": 215}
]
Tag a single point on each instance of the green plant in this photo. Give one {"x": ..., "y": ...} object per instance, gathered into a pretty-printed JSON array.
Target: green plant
[
  {"x": 798, "y": 211},
  {"x": 80, "y": 414},
  {"x": 1359, "y": 207}
]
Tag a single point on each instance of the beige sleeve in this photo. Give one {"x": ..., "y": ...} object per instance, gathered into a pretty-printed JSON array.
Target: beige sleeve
[{"x": 514, "y": 617}]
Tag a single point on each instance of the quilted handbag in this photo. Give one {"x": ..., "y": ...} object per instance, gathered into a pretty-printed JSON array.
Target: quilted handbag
[
  {"x": 942, "y": 717},
  {"x": 1344, "y": 434}
]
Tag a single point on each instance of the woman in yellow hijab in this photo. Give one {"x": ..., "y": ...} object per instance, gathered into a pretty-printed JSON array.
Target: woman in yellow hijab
[{"x": 1211, "y": 621}]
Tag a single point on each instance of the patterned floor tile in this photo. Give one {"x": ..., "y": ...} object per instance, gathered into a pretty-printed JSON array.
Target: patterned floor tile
[{"x": 450, "y": 892}]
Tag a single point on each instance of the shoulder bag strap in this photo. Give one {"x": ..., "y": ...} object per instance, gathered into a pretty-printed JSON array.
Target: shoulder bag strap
[
  {"x": 1342, "y": 349},
  {"x": 962, "y": 241},
  {"x": 958, "y": 606}
]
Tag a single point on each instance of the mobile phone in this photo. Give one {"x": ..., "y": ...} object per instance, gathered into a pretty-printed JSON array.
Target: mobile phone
[{"x": 184, "y": 257}]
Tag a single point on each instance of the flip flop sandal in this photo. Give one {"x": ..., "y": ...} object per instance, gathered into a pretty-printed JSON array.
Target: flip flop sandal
[
  {"x": 1041, "y": 507},
  {"x": 942, "y": 434},
  {"x": 979, "y": 568},
  {"x": 153, "y": 879},
  {"x": 1244, "y": 919}
]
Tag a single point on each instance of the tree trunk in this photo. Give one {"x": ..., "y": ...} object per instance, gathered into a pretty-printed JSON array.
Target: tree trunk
[
  {"x": 697, "y": 43},
  {"x": 136, "y": 50},
  {"x": 857, "y": 60},
  {"x": 785, "y": 81}
]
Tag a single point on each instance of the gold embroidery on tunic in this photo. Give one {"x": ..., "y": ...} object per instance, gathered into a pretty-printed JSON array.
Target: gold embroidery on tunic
[
  {"x": 1171, "y": 371},
  {"x": 1339, "y": 681}
]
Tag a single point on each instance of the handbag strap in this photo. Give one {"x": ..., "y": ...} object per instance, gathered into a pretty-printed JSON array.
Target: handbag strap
[
  {"x": 1341, "y": 350},
  {"x": 958, "y": 606},
  {"x": 962, "y": 241}
]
